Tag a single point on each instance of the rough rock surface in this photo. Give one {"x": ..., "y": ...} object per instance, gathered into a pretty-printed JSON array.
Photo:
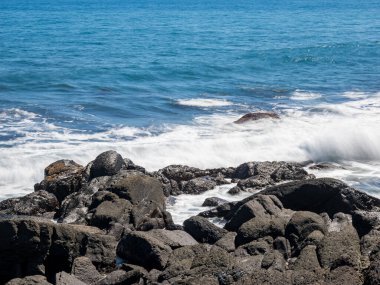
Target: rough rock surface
[
  {"x": 257, "y": 116},
  {"x": 307, "y": 231}
]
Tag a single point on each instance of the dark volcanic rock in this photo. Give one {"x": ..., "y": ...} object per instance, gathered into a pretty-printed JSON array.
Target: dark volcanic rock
[
  {"x": 85, "y": 271},
  {"x": 199, "y": 185},
  {"x": 257, "y": 116},
  {"x": 373, "y": 271},
  {"x": 325, "y": 166},
  {"x": 341, "y": 245},
  {"x": 62, "y": 178},
  {"x": 260, "y": 227},
  {"x": 142, "y": 248},
  {"x": 213, "y": 202},
  {"x": 259, "y": 206},
  {"x": 30, "y": 246},
  {"x": 322, "y": 195},
  {"x": 63, "y": 278},
  {"x": 106, "y": 164},
  {"x": 203, "y": 230},
  {"x": 34, "y": 204},
  {"x": 29, "y": 280}
]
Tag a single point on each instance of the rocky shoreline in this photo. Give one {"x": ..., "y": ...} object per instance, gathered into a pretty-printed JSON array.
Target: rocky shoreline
[{"x": 107, "y": 224}]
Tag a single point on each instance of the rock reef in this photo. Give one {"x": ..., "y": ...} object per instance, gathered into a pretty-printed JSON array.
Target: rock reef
[{"x": 107, "y": 223}]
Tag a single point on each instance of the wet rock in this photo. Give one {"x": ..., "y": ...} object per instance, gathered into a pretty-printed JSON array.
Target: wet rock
[
  {"x": 34, "y": 204},
  {"x": 341, "y": 245},
  {"x": 322, "y": 195},
  {"x": 257, "y": 116},
  {"x": 142, "y": 248},
  {"x": 85, "y": 271},
  {"x": 129, "y": 165},
  {"x": 203, "y": 230},
  {"x": 234, "y": 190},
  {"x": 213, "y": 202},
  {"x": 106, "y": 164},
  {"x": 325, "y": 166},
  {"x": 29, "y": 280},
  {"x": 62, "y": 178},
  {"x": 198, "y": 185},
  {"x": 259, "y": 227}
]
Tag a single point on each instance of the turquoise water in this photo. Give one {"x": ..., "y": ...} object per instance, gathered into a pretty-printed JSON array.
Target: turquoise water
[{"x": 161, "y": 82}]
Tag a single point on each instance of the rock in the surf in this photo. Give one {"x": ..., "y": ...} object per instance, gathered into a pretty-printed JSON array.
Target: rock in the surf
[{"x": 257, "y": 116}]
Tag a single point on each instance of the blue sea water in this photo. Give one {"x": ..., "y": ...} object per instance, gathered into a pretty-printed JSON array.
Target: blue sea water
[{"x": 162, "y": 81}]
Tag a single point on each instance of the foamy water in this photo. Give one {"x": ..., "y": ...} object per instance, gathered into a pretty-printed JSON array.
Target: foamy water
[{"x": 346, "y": 133}]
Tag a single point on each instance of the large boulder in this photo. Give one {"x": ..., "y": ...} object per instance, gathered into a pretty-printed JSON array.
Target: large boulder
[
  {"x": 62, "y": 178},
  {"x": 34, "y": 204},
  {"x": 260, "y": 227},
  {"x": 259, "y": 206},
  {"x": 203, "y": 230},
  {"x": 32, "y": 246},
  {"x": 106, "y": 164},
  {"x": 146, "y": 195},
  {"x": 323, "y": 195},
  {"x": 341, "y": 245},
  {"x": 142, "y": 248}
]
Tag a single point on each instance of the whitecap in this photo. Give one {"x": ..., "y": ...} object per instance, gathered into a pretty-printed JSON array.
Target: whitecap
[
  {"x": 304, "y": 95},
  {"x": 199, "y": 102}
]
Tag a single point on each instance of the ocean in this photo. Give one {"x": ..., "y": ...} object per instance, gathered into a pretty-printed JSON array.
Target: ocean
[{"x": 162, "y": 82}]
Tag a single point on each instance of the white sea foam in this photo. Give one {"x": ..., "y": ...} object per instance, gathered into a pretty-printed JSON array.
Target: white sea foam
[
  {"x": 199, "y": 102},
  {"x": 347, "y": 133},
  {"x": 304, "y": 95}
]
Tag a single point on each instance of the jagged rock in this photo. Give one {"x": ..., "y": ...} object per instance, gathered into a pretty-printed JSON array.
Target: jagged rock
[
  {"x": 174, "y": 239},
  {"x": 227, "y": 242},
  {"x": 198, "y": 185},
  {"x": 260, "y": 206},
  {"x": 365, "y": 221},
  {"x": 341, "y": 245},
  {"x": 146, "y": 195},
  {"x": 129, "y": 274},
  {"x": 63, "y": 278},
  {"x": 203, "y": 230},
  {"x": 129, "y": 165},
  {"x": 30, "y": 246},
  {"x": 62, "y": 178},
  {"x": 257, "y": 116},
  {"x": 34, "y": 204},
  {"x": 307, "y": 259},
  {"x": 301, "y": 225},
  {"x": 323, "y": 195},
  {"x": 372, "y": 274},
  {"x": 106, "y": 164},
  {"x": 213, "y": 202},
  {"x": 142, "y": 248},
  {"x": 107, "y": 212},
  {"x": 29, "y": 280},
  {"x": 344, "y": 275},
  {"x": 85, "y": 271},
  {"x": 259, "y": 227}
]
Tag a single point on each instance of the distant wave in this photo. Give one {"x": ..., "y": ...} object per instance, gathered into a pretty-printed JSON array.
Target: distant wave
[
  {"x": 204, "y": 102},
  {"x": 304, "y": 95},
  {"x": 349, "y": 132}
]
